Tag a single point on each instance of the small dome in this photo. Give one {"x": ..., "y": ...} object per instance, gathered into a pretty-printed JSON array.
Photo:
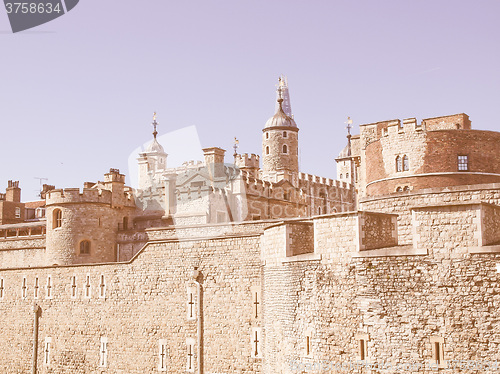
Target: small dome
[
  {"x": 280, "y": 118},
  {"x": 344, "y": 153},
  {"x": 154, "y": 146}
]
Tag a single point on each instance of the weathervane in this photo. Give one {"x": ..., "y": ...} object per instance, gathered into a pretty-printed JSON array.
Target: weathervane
[
  {"x": 235, "y": 146},
  {"x": 349, "y": 126},
  {"x": 154, "y": 125}
]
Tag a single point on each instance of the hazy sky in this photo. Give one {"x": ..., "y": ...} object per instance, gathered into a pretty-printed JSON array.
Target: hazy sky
[{"x": 77, "y": 94}]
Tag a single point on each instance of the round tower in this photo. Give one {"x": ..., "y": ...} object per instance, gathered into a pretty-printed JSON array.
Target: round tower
[
  {"x": 82, "y": 224},
  {"x": 280, "y": 144}
]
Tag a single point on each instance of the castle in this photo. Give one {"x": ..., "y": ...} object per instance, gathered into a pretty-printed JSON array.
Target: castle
[{"x": 221, "y": 267}]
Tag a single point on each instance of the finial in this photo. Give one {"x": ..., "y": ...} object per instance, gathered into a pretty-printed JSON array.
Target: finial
[
  {"x": 349, "y": 126},
  {"x": 154, "y": 125},
  {"x": 280, "y": 95},
  {"x": 235, "y": 146}
]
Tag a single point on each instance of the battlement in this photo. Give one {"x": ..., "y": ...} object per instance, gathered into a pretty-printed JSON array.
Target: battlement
[
  {"x": 354, "y": 232},
  {"x": 314, "y": 179},
  {"x": 186, "y": 166},
  {"x": 249, "y": 161},
  {"x": 376, "y": 130},
  {"x": 114, "y": 176},
  {"x": 77, "y": 196}
]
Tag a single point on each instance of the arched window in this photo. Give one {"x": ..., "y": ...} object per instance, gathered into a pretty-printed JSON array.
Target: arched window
[
  {"x": 285, "y": 134},
  {"x": 406, "y": 163},
  {"x": 341, "y": 176},
  {"x": 319, "y": 210},
  {"x": 267, "y": 150},
  {"x": 406, "y": 188},
  {"x": 399, "y": 189},
  {"x": 347, "y": 175},
  {"x": 85, "y": 247},
  {"x": 56, "y": 218},
  {"x": 267, "y": 135},
  {"x": 285, "y": 148},
  {"x": 399, "y": 164}
]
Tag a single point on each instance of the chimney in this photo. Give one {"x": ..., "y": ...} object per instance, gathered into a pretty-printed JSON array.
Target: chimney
[
  {"x": 13, "y": 192},
  {"x": 214, "y": 161},
  {"x": 46, "y": 188}
]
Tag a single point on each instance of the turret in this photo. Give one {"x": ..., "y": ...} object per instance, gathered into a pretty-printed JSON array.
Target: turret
[
  {"x": 248, "y": 163},
  {"x": 280, "y": 145},
  {"x": 115, "y": 182},
  {"x": 152, "y": 162},
  {"x": 82, "y": 224}
]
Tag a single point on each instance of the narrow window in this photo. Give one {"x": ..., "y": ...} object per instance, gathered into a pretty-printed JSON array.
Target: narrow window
[
  {"x": 36, "y": 288},
  {"x": 73, "y": 286},
  {"x": 347, "y": 175},
  {"x": 267, "y": 150},
  {"x": 125, "y": 223},
  {"x": 406, "y": 163},
  {"x": 399, "y": 164},
  {"x": 103, "y": 362},
  {"x": 285, "y": 134},
  {"x": 362, "y": 341},
  {"x": 48, "y": 288},
  {"x": 87, "y": 286},
  {"x": 256, "y": 342},
  {"x": 102, "y": 287},
  {"x": 437, "y": 352},
  {"x": 1, "y": 288},
  {"x": 285, "y": 148},
  {"x": 56, "y": 218},
  {"x": 191, "y": 302},
  {"x": 46, "y": 351},
  {"x": 437, "y": 343},
  {"x": 308, "y": 343},
  {"x": 267, "y": 135},
  {"x": 256, "y": 302},
  {"x": 319, "y": 210},
  {"x": 190, "y": 355},
  {"x": 162, "y": 355},
  {"x": 463, "y": 163},
  {"x": 18, "y": 212},
  {"x": 24, "y": 288},
  {"x": 341, "y": 175},
  {"x": 362, "y": 349},
  {"x": 85, "y": 247}
]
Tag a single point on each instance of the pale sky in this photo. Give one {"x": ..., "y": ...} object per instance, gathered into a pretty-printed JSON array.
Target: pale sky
[{"x": 77, "y": 94}]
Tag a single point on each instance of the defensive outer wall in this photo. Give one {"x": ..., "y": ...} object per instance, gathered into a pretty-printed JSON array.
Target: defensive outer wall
[{"x": 275, "y": 296}]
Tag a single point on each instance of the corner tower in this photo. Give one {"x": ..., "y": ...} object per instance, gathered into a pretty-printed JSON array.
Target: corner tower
[{"x": 280, "y": 143}]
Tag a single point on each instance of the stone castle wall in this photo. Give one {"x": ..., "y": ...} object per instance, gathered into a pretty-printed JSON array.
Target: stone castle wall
[
  {"x": 401, "y": 203},
  {"x": 145, "y": 301},
  {"x": 397, "y": 303},
  {"x": 325, "y": 283}
]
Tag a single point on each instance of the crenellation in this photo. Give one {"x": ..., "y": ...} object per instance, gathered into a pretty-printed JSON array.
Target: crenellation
[{"x": 272, "y": 270}]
